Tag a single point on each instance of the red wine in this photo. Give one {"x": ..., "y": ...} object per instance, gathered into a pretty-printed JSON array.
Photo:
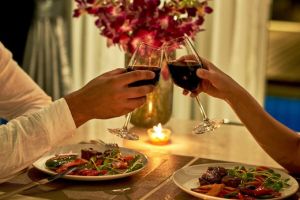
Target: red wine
[
  {"x": 153, "y": 81},
  {"x": 184, "y": 74}
]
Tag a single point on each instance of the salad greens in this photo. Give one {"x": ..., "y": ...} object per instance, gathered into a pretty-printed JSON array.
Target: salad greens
[
  {"x": 95, "y": 163},
  {"x": 135, "y": 164},
  {"x": 271, "y": 179},
  {"x": 57, "y": 161},
  {"x": 240, "y": 182}
]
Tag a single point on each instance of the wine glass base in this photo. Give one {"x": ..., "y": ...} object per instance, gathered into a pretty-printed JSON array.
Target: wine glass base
[
  {"x": 207, "y": 126},
  {"x": 123, "y": 133}
]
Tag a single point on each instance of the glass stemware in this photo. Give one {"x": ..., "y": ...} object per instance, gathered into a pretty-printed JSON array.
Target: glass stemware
[
  {"x": 146, "y": 57},
  {"x": 183, "y": 62}
]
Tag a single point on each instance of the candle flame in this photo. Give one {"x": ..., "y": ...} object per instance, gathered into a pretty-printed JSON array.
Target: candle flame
[
  {"x": 158, "y": 131},
  {"x": 159, "y": 135}
]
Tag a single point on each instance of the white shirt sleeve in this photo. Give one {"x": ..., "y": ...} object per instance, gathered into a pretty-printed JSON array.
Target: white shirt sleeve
[
  {"x": 19, "y": 94},
  {"x": 35, "y": 124}
]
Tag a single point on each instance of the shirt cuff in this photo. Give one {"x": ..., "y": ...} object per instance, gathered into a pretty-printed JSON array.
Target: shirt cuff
[{"x": 62, "y": 121}]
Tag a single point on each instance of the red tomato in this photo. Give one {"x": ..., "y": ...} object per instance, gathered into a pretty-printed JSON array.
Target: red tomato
[
  {"x": 103, "y": 172},
  {"x": 99, "y": 162},
  {"x": 67, "y": 165},
  {"x": 260, "y": 191},
  {"x": 88, "y": 172},
  {"x": 262, "y": 168},
  {"x": 127, "y": 158}
]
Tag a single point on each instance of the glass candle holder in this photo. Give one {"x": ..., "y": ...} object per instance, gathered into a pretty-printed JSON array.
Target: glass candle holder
[{"x": 159, "y": 135}]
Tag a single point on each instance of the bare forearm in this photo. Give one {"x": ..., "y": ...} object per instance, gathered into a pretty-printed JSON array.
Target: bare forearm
[{"x": 277, "y": 140}]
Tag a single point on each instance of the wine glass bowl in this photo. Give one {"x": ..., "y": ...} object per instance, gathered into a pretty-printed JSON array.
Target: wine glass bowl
[
  {"x": 145, "y": 57},
  {"x": 184, "y": 74},
  {"x": 183, "y": 62}
]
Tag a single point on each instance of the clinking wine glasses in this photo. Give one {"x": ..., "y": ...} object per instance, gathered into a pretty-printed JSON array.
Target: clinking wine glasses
[
  {"x": 183, "y": 62},
  {"x": 145, "y": 57}
]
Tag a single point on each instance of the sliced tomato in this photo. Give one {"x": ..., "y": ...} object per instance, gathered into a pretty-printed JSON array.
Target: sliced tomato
[
  {"x": 88, "y": 172},
  {"x": 99, "y": 162},
  {"x": 260, "y": 191},
  {"x": 262, "y": 168},
  {"x": 128, "y": 158},
  {"x": 103, "y": 172}
]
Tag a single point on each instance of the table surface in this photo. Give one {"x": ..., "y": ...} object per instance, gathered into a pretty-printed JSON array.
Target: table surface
[{"x": 227, "y": 144}]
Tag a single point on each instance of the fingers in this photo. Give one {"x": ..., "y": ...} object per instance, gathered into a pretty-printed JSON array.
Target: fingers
[
  {"x": 185, "y": 92},
  {"x": 114, "y": 72},
  {"x": 208, "y": 65},
  {"x": 134, "y": 76},
  {"x": 136, "y": 92},
  {"x": 204, "y": 74},
  {"x": 194, "y": 94},
  {"x": 137, "y": 102}
]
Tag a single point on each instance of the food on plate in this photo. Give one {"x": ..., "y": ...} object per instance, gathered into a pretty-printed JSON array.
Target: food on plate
[
  {"x": 95, "y": 163},
  {"x": 241, "y": 183}
]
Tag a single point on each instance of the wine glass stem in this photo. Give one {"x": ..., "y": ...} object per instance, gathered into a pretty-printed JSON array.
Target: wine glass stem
[
  {"x": 201, "y": 109},
  {"x": 128, "y": 117}
]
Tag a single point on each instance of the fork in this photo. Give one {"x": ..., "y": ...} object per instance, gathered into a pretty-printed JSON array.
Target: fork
[
  {"x": 36, "y": 183},
  {"x": 107, "y": 145}
]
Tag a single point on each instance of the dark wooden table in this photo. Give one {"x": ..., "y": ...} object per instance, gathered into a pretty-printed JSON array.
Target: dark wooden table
[
  {"x": 226, "y": 144},
  {"x": 152, "y": 183}
]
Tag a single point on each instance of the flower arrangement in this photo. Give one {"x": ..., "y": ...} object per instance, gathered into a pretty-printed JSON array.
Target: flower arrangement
[{"x": 128, "y": 22}]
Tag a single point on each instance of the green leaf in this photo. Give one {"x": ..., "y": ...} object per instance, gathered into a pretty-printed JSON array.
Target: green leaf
[
  {"x": 135, "y": 164},
  {"x": 57, "y": 161},
  {"x": 269, "y": 196},
  {"x": 230, "y": 195}
]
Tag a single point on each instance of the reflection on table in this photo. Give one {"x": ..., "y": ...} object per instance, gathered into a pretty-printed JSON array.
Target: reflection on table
[{"x": 228, "y": 143}]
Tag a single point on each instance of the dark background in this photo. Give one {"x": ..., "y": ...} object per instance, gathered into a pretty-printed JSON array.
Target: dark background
[
  {"x": 16, "y": 17},
  {"x": 286, "y": 10}
]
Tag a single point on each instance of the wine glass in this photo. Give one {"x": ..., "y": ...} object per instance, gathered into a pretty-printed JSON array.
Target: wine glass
[
  {"x": 145, "y": 57},
  {"x": 183, "y": 62}
]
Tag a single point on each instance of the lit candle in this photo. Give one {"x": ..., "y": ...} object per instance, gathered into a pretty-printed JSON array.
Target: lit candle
[{"x": 159, "y": 135}]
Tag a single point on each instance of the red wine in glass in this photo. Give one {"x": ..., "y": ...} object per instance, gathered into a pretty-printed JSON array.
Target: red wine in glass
[
  {"x": 183, "y": 62},
  {"x": 145, "y": 57},
  {"x": 184, "y": 74},
  {"x": 153, "y": 81}
]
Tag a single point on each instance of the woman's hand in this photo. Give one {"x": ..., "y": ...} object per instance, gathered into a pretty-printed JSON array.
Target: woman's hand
[{"x": 214, "y": 82}]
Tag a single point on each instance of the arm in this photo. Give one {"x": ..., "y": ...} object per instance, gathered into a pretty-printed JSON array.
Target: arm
[
  {"x": 280, "y": 142},
  {"x": 37, "y": 128},
  {"x": 18, "y": 93},
  {"x": 34, "y": 125},
  {"x": 25, "y": 138}
]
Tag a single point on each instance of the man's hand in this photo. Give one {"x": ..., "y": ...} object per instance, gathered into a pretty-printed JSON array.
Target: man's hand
[{"x": 108, "y": 95}]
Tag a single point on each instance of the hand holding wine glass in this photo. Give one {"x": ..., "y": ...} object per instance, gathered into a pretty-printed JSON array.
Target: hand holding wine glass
[
  {"x": 183, "y": 62},
  {"x": 146, "y": 57}
]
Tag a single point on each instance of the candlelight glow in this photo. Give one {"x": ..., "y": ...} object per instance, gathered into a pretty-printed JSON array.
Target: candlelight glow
[
  {"x": 159, "y": 135},
  {"x": 150, "y": 106}
]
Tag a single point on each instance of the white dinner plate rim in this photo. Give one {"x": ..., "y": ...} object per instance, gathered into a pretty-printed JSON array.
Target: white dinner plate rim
[
  {"x": 40, "y": 165},
  {"x": 229, "y": 164}
]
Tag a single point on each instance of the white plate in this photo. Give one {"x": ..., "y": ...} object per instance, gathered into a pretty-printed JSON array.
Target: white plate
[
  {"x": 187, "y": 178},
  {"x": 40, "y": 163}
]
